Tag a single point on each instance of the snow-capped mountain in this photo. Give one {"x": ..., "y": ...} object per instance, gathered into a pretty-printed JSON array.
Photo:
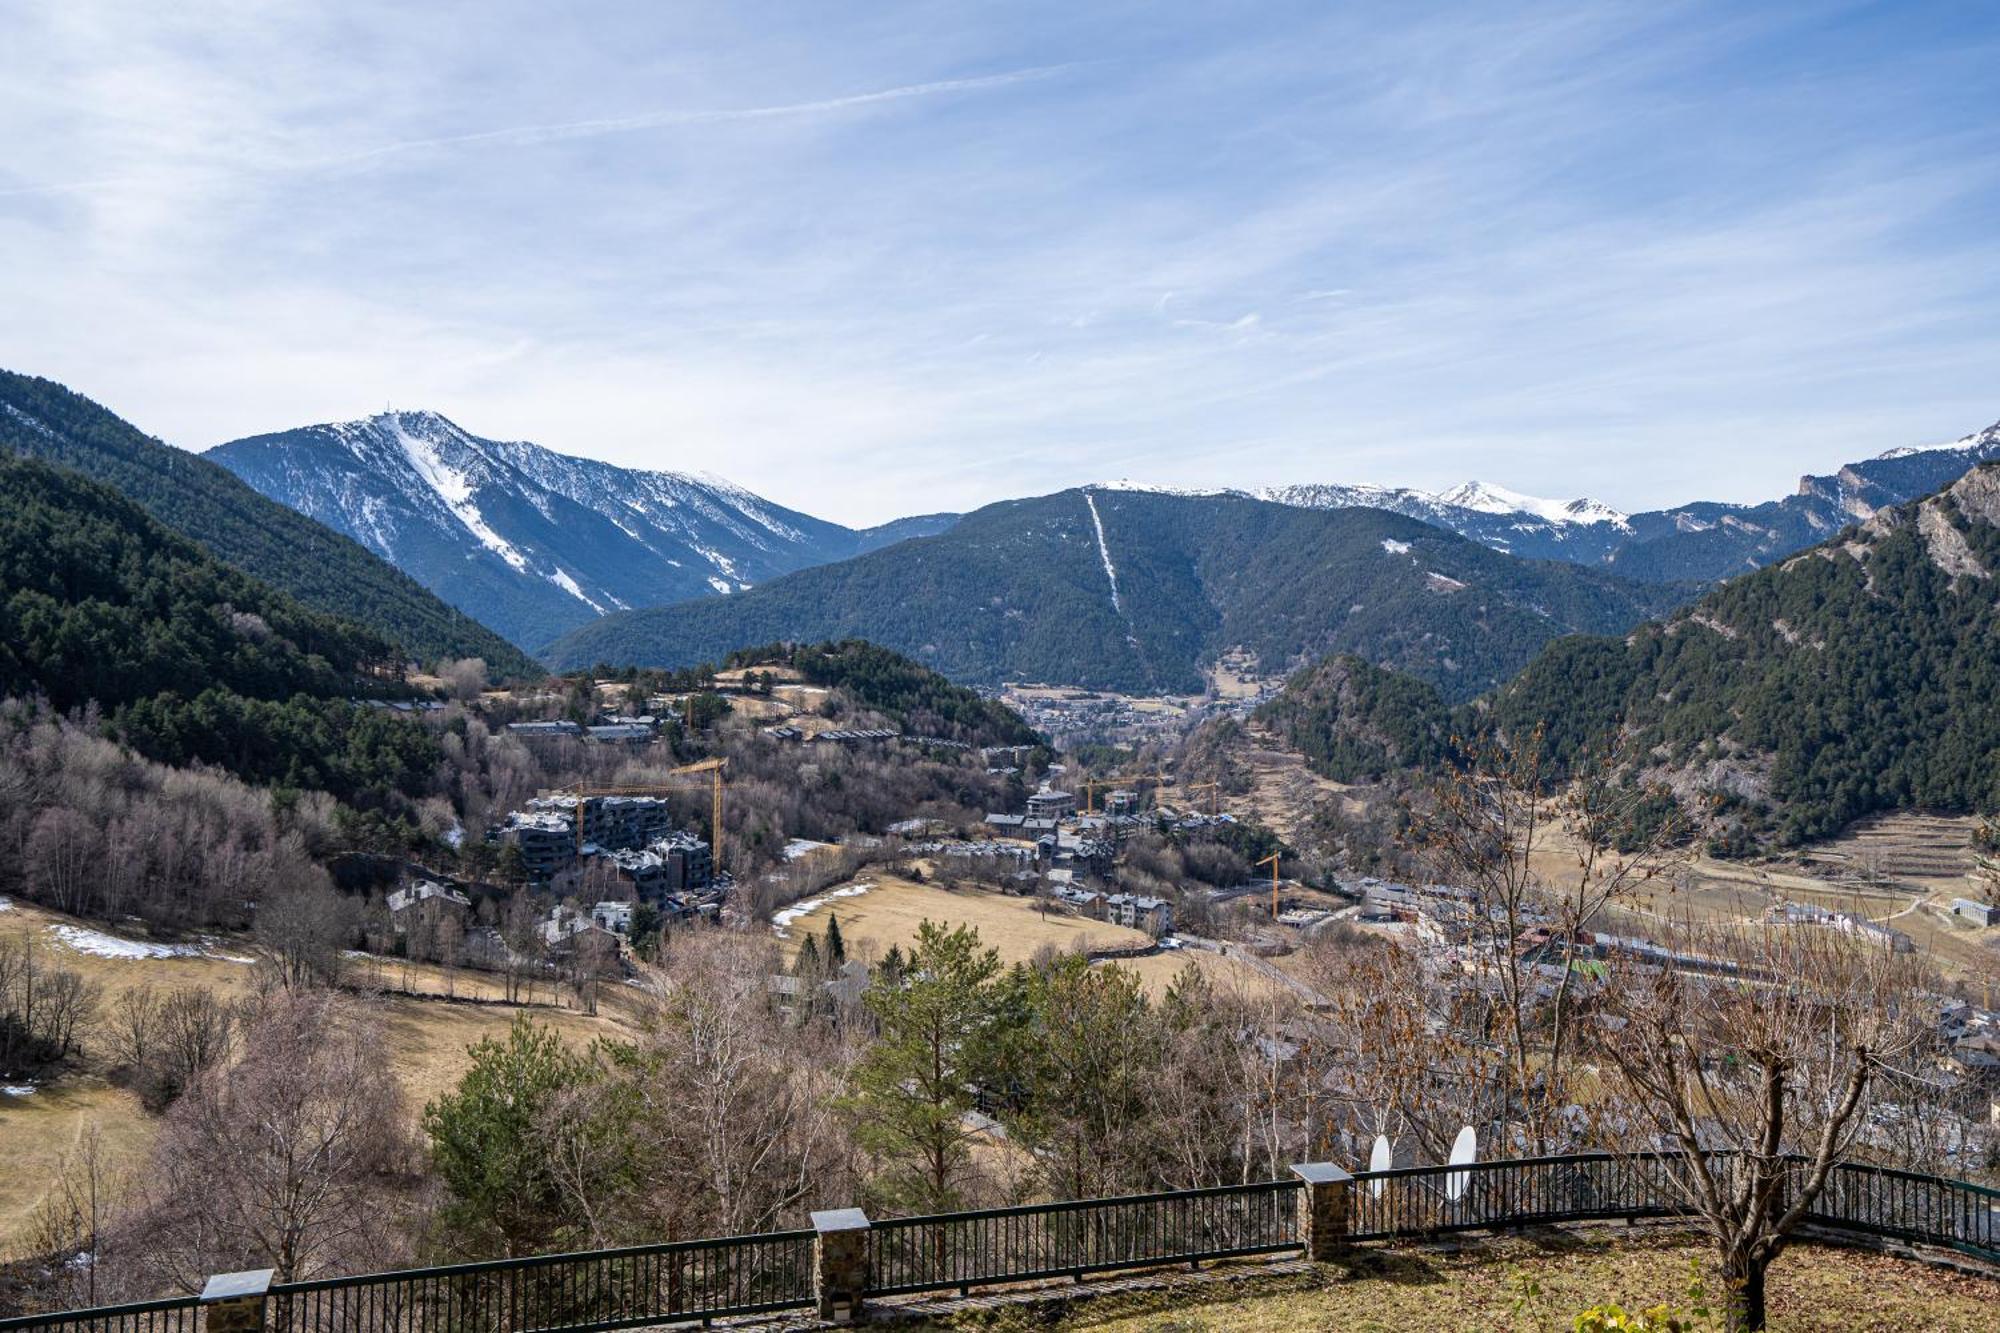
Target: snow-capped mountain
[
  {"x": 1701, "y": 541},
  {"x": 1486, "y": 498},
  {"x": 530, "y": 541}
]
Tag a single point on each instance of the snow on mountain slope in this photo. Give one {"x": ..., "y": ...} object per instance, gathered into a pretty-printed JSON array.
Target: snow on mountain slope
[
  {"x": 1487, "y": 498},
  {"x": 531, "y": 541},
  {"x": 1703, "y": 540}
]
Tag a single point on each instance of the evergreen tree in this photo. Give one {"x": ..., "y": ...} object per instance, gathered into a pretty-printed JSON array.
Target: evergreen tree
[
  {"x": 939, "y": 1033},
  {"x": 490, "y": 1149},
  {"x": 836, "y": 948}
]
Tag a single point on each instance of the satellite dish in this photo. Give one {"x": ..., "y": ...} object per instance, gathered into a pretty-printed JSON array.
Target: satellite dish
[
  {"x": 1380, "y": 1158},
  {"x": 1464, "y": 1152}
]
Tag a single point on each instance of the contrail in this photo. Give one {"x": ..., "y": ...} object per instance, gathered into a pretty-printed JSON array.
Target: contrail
[{"x": 583, "y": 129}]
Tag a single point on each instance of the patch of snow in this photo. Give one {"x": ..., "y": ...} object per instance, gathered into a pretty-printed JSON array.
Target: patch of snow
[
  {"x": 455, "y": 490},
  {"x": 1443, "y": 582},
  {"x": 100, "y": 945},
  {"x": 799, "y": 847},
  {"x": 1394, "y": 547},
  {"x": 1104, "y": 552},
  {"x": 568, "y": 585},
  {"x": 1153, "y": 488},
  {"x": 721, "y": 586},
  {"x": 1486, "y": 498},
  {"x": 6, "y": 904},
  {"x": 18, "y": 1089},
  {"x": 780, "y": 920}
]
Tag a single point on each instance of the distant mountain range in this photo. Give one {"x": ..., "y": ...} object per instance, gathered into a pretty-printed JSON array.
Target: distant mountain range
[
  {"x": 1137, "y": 590},
  {"x": 530, "y": 541},
  {"x": 322, "y": 569},
  {"x": 1702, "y": 541},
  {"x": 1856, "y": 676},
  {"x": 537, "y": 543}
]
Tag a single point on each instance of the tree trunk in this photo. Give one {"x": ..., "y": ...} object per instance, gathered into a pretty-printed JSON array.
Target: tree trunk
[{"x": 1743, "y": 1279}]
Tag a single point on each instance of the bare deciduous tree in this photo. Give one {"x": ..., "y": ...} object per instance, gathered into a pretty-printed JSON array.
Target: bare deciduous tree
[
  {"x": 1758, "y": 1064},
  {"x": 1545, "y": 849},
  {"x": 293, "y": 1158},
  {"x": 305, "y": 932}
]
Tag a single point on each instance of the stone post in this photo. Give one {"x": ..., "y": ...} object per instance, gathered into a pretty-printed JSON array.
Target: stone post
[
  {"x": 234, "y": 1302},
  {"x": 840, "y": 1261},
  {"x": 1325, "y": 1209}
]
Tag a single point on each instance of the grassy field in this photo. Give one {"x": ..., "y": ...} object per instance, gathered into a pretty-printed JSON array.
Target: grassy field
[
  {"x": 1818, "y": 1289},
  {"x": 427, "y": 1041},
  {"x": 892, "y": 908}
]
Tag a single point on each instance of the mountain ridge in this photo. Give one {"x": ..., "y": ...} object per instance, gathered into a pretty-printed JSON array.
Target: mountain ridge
[
  {"x": 321, "y": 568},
  {"x": 1137, "y": 590},
  {"x": 532, "y": 541}
]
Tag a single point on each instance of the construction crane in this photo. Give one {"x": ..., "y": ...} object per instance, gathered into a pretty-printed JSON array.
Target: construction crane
[
  {"x": 1272, "y": 861},
  {"x": 1090, "y": 786},
  {"x": 687, "y": 773}
]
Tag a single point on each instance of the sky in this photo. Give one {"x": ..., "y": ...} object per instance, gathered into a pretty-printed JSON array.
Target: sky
[{"x": 885, "y": 258}]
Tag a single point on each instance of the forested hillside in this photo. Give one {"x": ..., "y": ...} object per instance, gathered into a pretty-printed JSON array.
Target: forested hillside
[
  {"x": 189, "y": 659},
  {"x": 206, "y": 503},
  {"x": 925, "y": 703},
  {"x": 1136, "y": 591},
  {"x": 1356, "y": 722},
  {"x": 1857, "y": 676}
]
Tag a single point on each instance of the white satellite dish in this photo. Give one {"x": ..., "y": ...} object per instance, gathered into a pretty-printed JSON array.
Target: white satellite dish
[
  {"x": 1380, "y": 1158},
  {"x": 1464, "y": 1152}
]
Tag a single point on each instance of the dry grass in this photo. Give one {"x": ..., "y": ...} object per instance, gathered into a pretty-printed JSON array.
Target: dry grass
[
  {"x": 425, "y": 1040},
  {"x": 1818, "y": 1289},
  {"x": 1157, "y": 972},
  {"x": 892, "y": 909}
]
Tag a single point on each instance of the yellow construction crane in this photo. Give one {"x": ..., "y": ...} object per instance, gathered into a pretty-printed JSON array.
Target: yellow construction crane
[
  {"x": 688, "y": 772},
  {"x": 1090, "y": 786},
  {"x": 1272, "y": 861}
]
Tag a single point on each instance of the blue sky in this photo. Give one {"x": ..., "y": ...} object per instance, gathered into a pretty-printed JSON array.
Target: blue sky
[{"x": 872, "y": 259}]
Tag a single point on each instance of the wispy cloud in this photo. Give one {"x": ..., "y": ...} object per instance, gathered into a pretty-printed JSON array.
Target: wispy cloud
[
  {"x": 528, "y": 135},
  {"x": 1686, "y": 249}
]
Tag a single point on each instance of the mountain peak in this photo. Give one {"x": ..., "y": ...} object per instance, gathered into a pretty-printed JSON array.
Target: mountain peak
[
  {"x": 529, "y": 540},
  {"x": 1487, "y": 498}
]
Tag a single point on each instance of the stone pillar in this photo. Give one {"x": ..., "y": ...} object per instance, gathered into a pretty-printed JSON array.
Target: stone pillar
[
  {"x": 1325, "y": 1209},
  {"x": 234, "y": 1302},
  {"x": 840, "y": 1261}
]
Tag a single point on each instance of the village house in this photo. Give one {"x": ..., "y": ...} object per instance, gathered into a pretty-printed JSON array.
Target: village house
[
  {"x": 1155, "y": 916},
  {"x": 546, "y": 843},
  {"x": 424, "y": 904},
  {"x": 621, "y": 733},
  {"x": 615, "y": 917},
  {"x": 1051, "y": 804},
  {"x": 1083, "y": 902},
  {"x": 545, "y": 731}
]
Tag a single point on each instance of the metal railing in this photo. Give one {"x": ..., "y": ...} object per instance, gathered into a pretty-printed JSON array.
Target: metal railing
[
  {"x": 598, "y": 1289},
  {"x": 178, "y": 1314},
  {"x": 741, "y": 1275},
  {"x": 1086, "y": 1236},
  {"x": 1905, "y": 1205},
  {"x": 1434, "y": 1200}
]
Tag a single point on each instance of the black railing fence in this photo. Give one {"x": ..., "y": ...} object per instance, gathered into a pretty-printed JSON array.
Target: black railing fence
[
  {"x": 178, "y": 1314},
  {"x": 1433, "y": 1200},
  {"x": 599, "y": 1289},
  {"x": 741, "y": 1275},
  {"x": 1086, "y": 1236}
]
